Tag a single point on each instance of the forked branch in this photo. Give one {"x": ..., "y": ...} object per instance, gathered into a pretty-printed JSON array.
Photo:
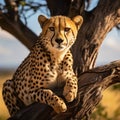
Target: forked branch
[{"x": 91, "y": 85}]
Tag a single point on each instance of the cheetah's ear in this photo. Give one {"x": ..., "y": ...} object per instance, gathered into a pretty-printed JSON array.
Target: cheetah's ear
[
  {"x": 78, "y": 20},
  {"x": 42, "y": 19}
]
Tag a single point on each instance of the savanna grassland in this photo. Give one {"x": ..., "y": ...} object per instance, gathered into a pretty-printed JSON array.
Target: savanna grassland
[
  {"x": 109, "y": 108},
  {"x": 3, "y": 110}
]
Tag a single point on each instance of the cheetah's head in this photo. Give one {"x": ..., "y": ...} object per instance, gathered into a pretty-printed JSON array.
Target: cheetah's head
[{"x": 59, "y": 32}]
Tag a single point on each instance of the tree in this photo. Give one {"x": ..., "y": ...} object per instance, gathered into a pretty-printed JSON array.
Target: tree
[{"x": 92, "y": 81}]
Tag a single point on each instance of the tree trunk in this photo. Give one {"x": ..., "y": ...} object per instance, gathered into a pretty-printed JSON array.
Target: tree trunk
[{"x": 97, "y": 23}]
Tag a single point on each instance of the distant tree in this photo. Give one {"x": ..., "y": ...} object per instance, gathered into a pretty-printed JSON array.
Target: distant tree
[{"x": 97, "y": 23}]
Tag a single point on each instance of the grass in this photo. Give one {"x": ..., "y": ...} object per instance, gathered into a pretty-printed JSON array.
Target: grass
[
  {"x": 110, "y": 101},
  {"x": 3, "y": 110},
  {"x": 109, "y": 108}
]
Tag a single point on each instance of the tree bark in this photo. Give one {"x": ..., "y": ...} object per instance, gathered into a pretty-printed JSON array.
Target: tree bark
[
  {"x": 97, "y": 23},
  {"x": 91, "y": 84},
  {"x": 58, "y": 7}
]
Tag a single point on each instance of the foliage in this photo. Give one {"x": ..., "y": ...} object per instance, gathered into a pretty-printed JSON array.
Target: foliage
[
  {"x": 116, "y": 87},
  {"x": 101, "y": 114}
]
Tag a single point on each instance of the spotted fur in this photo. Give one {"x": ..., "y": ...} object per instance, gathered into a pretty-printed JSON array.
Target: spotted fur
[{"x": 48, "y": 65}]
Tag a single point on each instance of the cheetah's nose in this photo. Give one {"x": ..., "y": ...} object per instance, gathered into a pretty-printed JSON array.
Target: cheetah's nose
[{"x": 59, "y": 41}]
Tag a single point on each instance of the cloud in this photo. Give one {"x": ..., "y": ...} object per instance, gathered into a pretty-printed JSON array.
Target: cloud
[
  {"x": 112, "y": 40},
  {"x": 5, "y": 51},
  {"x": 12, "y": 52},
  {"x": 5, "y": 35},
  {"x": 110, "y": 49}
]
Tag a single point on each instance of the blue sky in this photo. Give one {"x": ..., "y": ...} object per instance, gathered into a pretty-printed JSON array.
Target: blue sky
[
  {"x": 12, "y": 52},
  {"x": 110, "y": 48}
]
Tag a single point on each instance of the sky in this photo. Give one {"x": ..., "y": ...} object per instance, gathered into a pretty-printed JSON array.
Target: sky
[
  {"x": 12, "y": 52},
  {"x": 110, "y": 48}
]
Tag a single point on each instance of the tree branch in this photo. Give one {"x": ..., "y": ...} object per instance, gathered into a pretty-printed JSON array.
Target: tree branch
[
  {"x": 10, "y": 21},
  {"x": 91, "y": 85},
  {"x": 59, "y": 7},
  {"x": 18, "y": 29},
  {"x": 77, "y": 7}
]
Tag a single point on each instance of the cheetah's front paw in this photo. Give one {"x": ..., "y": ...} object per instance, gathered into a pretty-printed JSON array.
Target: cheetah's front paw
[
  {"x": 69, "y": 93},
  {"x": 59, "y": 105}
]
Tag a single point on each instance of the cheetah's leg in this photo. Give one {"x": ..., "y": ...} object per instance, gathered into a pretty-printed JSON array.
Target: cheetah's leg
[
  {"x": 71, "y": 88},
  {"x": 48, "y": 97},
  {"x": 9, "y": 97}
]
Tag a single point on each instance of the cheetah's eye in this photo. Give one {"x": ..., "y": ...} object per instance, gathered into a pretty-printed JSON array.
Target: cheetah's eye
[
  {"x": 67, "y": 29},
  {"x": 52, "y": 28}
]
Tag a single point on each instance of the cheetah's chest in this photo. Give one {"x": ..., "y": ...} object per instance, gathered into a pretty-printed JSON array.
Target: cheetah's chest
[{"x": 56, "y": 76}]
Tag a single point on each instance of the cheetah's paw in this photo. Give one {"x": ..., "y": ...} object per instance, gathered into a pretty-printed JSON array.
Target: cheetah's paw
[
  {"x": 70, "y": 95},
  {"x": 59, "y": 105}
]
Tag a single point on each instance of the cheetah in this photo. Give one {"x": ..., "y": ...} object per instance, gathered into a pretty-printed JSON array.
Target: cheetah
[{"x": 48, "y": 65}]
